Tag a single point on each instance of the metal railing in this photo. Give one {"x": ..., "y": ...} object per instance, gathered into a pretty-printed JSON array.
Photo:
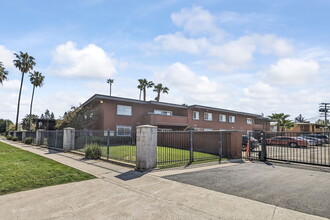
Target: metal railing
[
  {"x": 113, "y": 145},
  {"x": 52, "y": 138},
  {"x": 184, "y": 147},
  {"x": 299, "y": 147},
  {"x": 32, "y": 135}
]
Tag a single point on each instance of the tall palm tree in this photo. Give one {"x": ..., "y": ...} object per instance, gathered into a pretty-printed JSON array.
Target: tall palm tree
[
  {"x": 160, "y": 89},
  {"x": 110, "y": 81},
  {"x": 140, "y": 87},
  {"x": 37, "y": 80},
  {"x": 3, "y": 73},
  {"x": 25, "y": 64},
  {"x": 143, "y": 86},
  {"x": 282, "y": 120}
]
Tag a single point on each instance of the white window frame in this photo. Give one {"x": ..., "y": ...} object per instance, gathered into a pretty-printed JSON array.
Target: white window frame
[
  {"x": 220, "y": 118},
  {"x": 121, "y": 110},
  {"x": 208, "y": 129},
  {"x": 197, "y": 115},
  {"x": 125, "y": 127},
  {"x": 206, "y": 116},
  {"x": 163, "y": 112},
  {"x": 249, "y": 121},
  {"x": 230, "y": 119}
]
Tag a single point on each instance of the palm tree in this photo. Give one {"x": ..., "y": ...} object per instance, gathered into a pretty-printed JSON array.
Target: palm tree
[
  {"x": 143, "y": 86},
  {"x": 24, "y": 63},
  {"x": 282, "y": 120},
  {"x": 37, "y": 80},
  {"x": 110, "y": 81},
  {"x": 3, "y": 73},
  {"x": 160, "y": 89}
]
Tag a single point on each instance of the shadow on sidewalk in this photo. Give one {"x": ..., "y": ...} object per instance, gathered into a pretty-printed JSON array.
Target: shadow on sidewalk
[{"x": 130, "y": 175}]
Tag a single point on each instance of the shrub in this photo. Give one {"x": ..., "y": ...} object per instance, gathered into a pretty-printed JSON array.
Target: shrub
[
  {"x": 93, "y": 151},
  {"x": 81, "y": 141},
  {"x": 28, "y": 140},
  {"x": 9, "y": 137},
  {"x": 14, "y": 139}
]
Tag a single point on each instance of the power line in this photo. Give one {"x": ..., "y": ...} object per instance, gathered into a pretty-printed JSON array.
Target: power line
[{"x": 324, "y": 110}]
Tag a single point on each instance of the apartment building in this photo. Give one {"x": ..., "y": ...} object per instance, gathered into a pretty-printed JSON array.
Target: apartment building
[{"x": 124, "y": 114}]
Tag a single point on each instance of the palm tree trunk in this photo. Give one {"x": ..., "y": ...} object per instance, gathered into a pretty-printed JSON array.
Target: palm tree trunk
[
  {"x": 19, "y": 100},
  {"x": 110, "y": 88},
  {"x": 144, "y": 94},
  {"x": 30, "y": 119},
  {"x": 158, "y": 96},
  {"x": 140, "y": 94}
]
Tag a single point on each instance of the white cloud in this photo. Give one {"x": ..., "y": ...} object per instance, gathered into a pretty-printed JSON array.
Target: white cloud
[
  {"x": 292, "y": 71},
  {"x": 12, "y": 85},
  {"x": 179, "y": 42},
  {"x": 88, "y": 62},
  {"x": 6, "y": 57},
  {"x": 196, "y": 20},
  {"x": 193, "y": 88}
]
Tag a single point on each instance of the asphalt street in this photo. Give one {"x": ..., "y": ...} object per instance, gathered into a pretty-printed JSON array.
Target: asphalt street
[{"x": 299, "y": 188}]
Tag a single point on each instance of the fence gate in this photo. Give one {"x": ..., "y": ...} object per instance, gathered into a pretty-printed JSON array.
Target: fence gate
[{"x": 298, "y": 147}]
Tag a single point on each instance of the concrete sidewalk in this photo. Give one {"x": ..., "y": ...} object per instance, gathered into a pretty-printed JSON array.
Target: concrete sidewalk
[{"x": 122, "y": 193}]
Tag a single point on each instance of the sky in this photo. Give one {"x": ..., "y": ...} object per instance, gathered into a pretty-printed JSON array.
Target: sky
[{"x": 257, "y": 56}]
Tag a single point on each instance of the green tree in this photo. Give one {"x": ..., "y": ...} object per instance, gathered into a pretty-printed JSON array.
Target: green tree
[
  {"x": 25, "y": 64},
  {"x": 26, "y": 122},
  {"x": 160, "y": 89},
  {"x": 110, "y": 81},
  {"x": 143, "y": 86},
  {"x": 283, "y": 123},
  {"x": 5, "y": 124},
  {"x": 37, "y": 80},
  {"x": 80, "y": 118},
  {"x": 300, "y": 118},
  {"x": 3, "y": 73}
]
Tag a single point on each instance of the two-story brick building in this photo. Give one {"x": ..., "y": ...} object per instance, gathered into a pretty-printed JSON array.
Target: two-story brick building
[{"x": 123, "y": 115}]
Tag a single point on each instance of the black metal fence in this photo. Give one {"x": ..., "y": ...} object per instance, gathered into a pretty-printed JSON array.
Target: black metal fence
[
  {"x": 113, "y": 145},
  {"x": 52, "y": 138},
  {"x": 19, "y": 135},
  {"x": 32, "y": 135},
  {"x": 299, "y": 147},
  {"x": 184, "y": 147}
]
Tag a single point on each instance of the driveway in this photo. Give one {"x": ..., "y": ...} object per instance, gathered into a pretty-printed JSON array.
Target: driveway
[{"x": 297, "y": 188}]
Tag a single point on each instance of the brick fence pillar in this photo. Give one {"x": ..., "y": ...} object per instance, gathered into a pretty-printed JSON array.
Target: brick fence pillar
[
  {"x": 68, "y": 139},
  {"x": 23, "y": 135},
  {"x": 39, "y": 136},
  {"x": 146, "y": 147}
]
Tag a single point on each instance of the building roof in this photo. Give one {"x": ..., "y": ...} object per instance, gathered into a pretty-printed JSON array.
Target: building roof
[{"x": 106, "y": 97}]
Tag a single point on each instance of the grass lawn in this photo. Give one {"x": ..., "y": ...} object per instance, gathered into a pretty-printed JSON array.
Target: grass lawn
[
  {"x": 166, "y": 156},
  {"x": 21, "y": 170}
]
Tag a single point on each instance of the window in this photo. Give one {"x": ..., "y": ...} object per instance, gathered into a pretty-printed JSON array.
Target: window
[
  {"x": 124, "y": 110},
  {"x": 123, "y": 130},
  {"x": 222, "y": 118},
  {"x": 249, "y": 121},
  {"x": 207, "y": 116},
  {"x": 195, "y": 115},
  {"x": 208, "y": 129},
  {"x": 162, "y": 112},
  {"x": 232, "y": 119}
]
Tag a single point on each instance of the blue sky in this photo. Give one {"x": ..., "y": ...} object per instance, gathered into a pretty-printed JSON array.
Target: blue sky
[{"x": 256, "y": 56}]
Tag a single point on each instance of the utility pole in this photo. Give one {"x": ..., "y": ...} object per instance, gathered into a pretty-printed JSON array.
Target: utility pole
[{"x": 324, "y": 110}]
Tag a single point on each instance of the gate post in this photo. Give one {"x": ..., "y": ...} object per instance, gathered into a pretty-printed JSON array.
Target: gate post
[
  {"x": 23, "y": 135},
  {"x": 108, "y": 143},
  {"x": 146, "y": 147},
  {"x": 68, "y": 139},
  {"x": 263, "y": 155},
  {"x": 39, "y": 136},
  {"x": 191, "y": 146}
]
